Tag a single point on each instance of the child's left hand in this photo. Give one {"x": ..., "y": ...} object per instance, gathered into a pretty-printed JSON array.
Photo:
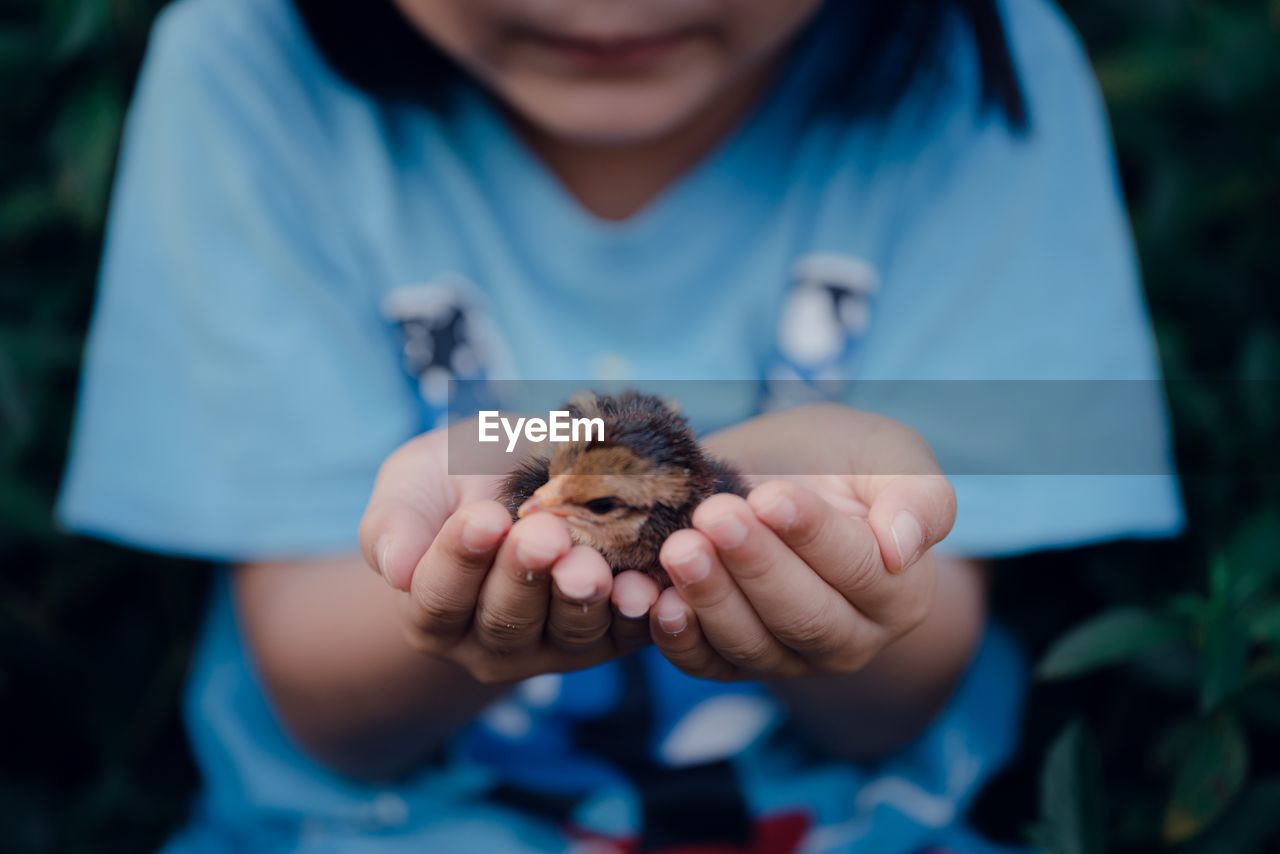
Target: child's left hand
[{"x": 810, "y": 574}]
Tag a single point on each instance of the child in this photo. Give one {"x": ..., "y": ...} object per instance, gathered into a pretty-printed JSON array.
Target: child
[{"x": 325, "y": 211}]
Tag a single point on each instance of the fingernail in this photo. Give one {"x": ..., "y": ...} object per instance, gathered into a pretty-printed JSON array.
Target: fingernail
[
  {"x": 381, "y": 550},
  {"x": 578, "y": 589},
  {"x": 907, "y": 536},
  {"x": 728, "y": 532},
  {"x": 780, "y": 512},
  {"x": 691, "y": 567},
  {"x": 397, "y": 577},
  {"x": 533, "y": 556},
  {"x": 479, "y": 537},
  {"x": 673, "y": 620},
  {"x": 633, "y": 610}
]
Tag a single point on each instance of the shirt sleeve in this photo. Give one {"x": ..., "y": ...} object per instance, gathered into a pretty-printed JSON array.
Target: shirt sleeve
[
  {"x": 239, "y": 387},
  {"x": 1012, "y": 260}
]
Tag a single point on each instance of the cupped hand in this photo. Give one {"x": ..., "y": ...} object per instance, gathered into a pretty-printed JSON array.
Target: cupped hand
[
  {"x": 505, "y": 601},
  {"x": 817, "y": 570}
]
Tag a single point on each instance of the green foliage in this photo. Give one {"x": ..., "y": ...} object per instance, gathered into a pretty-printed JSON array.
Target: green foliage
[
  {"x": 1110, "y": 638},
  {"x": 1224, "y": 642},
  {"x": 1159, "y": 663},
  {"x": 1188, "y": 725},
  {"x": 94, "y": 640},
  {"x": 1210, "y": 758},
  {"x": 1071, "y": 792},
  {"x": 1171, "y": 651}
]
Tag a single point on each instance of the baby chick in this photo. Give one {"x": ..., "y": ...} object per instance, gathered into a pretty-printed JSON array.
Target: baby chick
[{"x": 625, "y": 495}]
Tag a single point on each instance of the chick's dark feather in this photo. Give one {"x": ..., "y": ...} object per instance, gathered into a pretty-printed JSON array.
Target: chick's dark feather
[
  {"x": 522, "y": 482},
  {"x": 649, "y": 471}
]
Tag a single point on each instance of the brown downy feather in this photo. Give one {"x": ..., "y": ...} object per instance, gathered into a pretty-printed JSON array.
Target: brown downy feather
[{"x": 626, "y": 494}]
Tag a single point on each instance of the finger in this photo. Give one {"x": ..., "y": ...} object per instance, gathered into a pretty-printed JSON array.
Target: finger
[
  {"x": 393, "y": 542},
  {"x": 726, "y": 618},
  {"x": 633, "y": 595},
  {"x": 512, "y": 605},
  {"x": 402, "y": 517},
  {"x": 912, "y": 504},
  {"x": 910, "y": 514},
  {"x": 793, "y": 601},
  {"x": 675, "y": 631},
  {"x": 580, "y": 614},
  {"x": 844, "y": 551},
  {"x": 448, "y": 578}
]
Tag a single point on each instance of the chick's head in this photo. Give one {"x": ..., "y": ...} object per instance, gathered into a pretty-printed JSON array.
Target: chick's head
[
  {"x": 625, "y": 493},
  {"x": 606, "y": 495}
]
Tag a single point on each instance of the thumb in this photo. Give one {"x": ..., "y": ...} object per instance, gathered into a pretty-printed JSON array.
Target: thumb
[
  {"x": 911, "y": 513},
  {"x": 412, "y": 497}
]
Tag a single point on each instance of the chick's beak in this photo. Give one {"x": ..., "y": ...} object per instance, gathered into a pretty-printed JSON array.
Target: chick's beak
[{"x": 548, "y": 498}]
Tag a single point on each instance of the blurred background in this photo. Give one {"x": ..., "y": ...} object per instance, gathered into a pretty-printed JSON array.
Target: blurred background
[{"x": 1155, "y": 715}]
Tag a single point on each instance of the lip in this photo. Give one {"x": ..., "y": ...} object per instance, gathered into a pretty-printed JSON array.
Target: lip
[{"x": 612, "y": 53}]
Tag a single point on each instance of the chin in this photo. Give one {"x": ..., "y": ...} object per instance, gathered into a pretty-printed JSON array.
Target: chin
[{"x": 611, "y": 114}]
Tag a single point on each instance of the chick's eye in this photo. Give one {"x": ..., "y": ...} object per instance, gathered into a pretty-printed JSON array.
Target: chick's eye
[{"x": 602, "y": 505}]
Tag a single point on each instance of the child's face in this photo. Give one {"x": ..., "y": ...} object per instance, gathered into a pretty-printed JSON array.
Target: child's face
[{"x": 611, "y": 71}]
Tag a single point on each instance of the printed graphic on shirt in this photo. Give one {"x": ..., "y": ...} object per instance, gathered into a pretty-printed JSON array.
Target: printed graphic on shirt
[
  {"x": 631, "y": 738},
  {"x": 825, "y": 314},
  {"x": 448, "y": 335}
]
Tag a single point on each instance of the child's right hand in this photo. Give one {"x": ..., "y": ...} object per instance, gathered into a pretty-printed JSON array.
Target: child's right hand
[{"x": 505, "y": 601}]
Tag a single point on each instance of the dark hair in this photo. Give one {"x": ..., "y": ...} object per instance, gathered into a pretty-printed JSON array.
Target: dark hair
[{"x": 894, "y": 42}]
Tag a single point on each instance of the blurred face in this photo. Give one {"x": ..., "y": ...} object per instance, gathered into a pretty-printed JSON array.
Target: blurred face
[{"x": 611, "y": 71}]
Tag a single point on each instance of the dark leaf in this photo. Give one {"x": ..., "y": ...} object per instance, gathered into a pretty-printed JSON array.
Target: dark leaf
[
  {"x": 1209, "y": 773},
  {"x": 84, "y": 142},
  {"x": 1110, "y": 638},
  {"x": 1250, "y": 825},
  {"x": 1264, "y": 624},
  {"x": 1253, "y": 556},
  {"x": 1072, "y": 814},
  {"x": 1224, "y": 656}
]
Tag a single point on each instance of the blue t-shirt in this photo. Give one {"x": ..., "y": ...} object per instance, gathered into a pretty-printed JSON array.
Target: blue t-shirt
[{"x": 294, "y": 269}]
